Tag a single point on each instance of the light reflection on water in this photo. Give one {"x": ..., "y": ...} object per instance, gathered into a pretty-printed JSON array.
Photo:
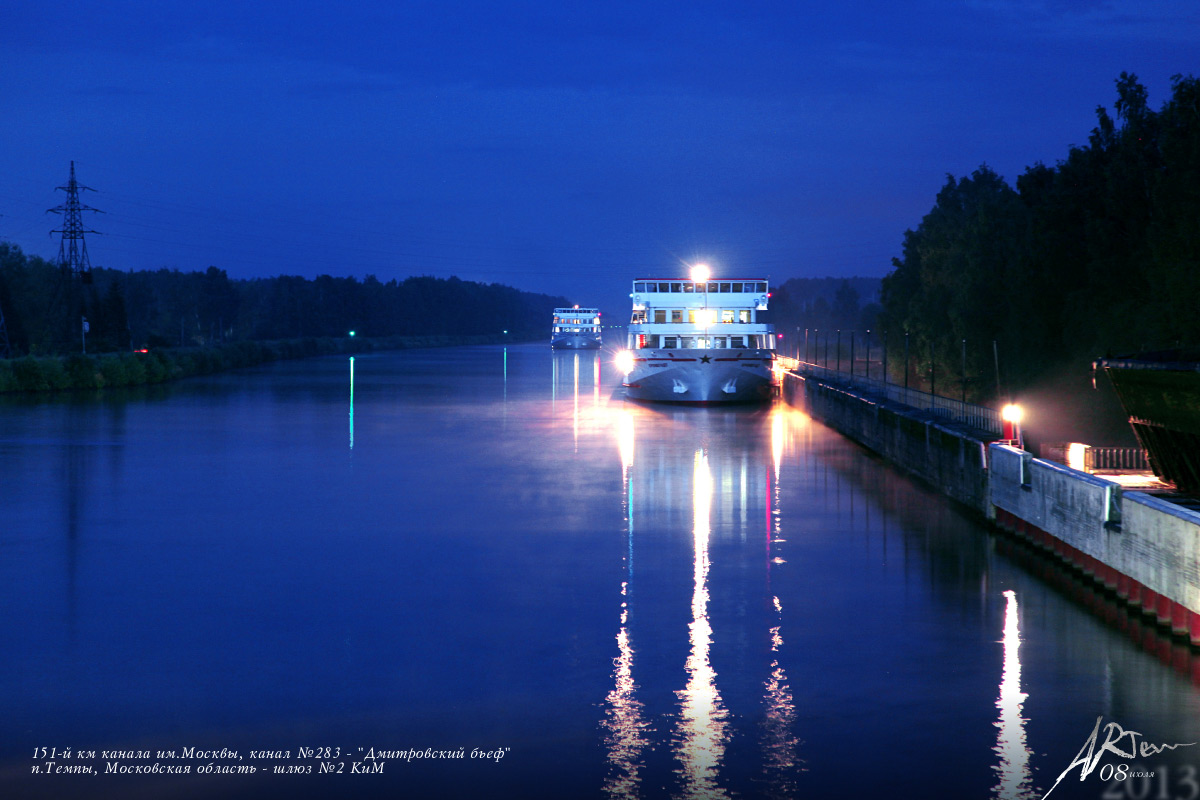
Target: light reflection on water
[
  {"x": 627, "y": 731},
  {"x": 642, "y": 601},
  {"x": 702, "y": 730},
  {"x": 702, "y": 727},
  {"x": 1011, "y": 747}
]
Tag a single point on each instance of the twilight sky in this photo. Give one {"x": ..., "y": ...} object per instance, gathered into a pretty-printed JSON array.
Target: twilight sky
[{"x": 553, "y": 146}]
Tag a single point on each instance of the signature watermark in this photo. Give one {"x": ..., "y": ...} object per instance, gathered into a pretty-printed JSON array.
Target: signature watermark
[{"x": 1118, "y": 741}]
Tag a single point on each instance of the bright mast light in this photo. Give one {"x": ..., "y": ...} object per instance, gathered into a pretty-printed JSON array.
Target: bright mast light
[
  {"x": 1012, "y": 413},
  {"x": 701, "y": 273}
]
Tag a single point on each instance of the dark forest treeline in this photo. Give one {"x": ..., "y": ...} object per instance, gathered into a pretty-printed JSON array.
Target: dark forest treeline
[
  {"x": 133, "y": 310},
  {"x": 1097, "y": 255},
  {"x": 113, "y": 370}
]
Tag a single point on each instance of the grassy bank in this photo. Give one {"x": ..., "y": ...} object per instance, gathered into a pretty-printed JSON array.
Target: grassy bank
[{"x": 58, "y": 373}]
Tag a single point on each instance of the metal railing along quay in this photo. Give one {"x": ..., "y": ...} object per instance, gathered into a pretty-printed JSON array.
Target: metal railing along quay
[{"x": 979, "y": 417}]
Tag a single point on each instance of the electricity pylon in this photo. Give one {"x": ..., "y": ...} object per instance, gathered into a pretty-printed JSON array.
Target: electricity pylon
[
  {"x": 74, "y": 268},
  {"x": 72, "y": 252}
]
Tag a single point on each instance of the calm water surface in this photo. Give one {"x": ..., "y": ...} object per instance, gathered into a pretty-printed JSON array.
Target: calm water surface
[{"x": 481, "y": 548}]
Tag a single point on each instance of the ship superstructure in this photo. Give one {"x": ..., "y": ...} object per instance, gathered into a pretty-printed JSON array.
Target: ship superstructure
[{"x": 576, "y": 328}]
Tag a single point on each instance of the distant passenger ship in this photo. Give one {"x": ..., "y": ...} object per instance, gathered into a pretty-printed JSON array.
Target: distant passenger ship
[
  {"x": 698, "y": 341},
  {"x": 576, "y": 328}
]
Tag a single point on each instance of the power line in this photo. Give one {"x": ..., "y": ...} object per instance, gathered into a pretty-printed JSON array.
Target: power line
[{"x": 72, "y": 251}]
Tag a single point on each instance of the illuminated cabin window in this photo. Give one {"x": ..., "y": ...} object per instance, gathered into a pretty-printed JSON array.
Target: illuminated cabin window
[
  {"x": 677, "y": 315},
  {"x": 727, "y": 315},
  {"x": 744, "y": 315}
]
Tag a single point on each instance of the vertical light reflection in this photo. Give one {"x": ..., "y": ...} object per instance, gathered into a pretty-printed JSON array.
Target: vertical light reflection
[
  {"x": 777, "y": 433},
  {"x": 780, "y": 760},
  {"x": 351, "y": 402},
  {"x": 596, "y": 380},
  {"x": 626, "y": 728},
  {"x": 1013, "y": 768},
  {"x": 624, "y": 426},
  {"x": 703, "y": 729},
  {"x": 575, "y": 415},
  {"x": 781, "y": 431}
]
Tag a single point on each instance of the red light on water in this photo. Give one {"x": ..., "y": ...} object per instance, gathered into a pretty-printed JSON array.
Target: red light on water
[{"x": 143, "y": 350}]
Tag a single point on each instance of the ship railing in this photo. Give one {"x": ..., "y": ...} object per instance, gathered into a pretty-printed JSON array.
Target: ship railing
[
  {"x": 1116, "y": 459},
  {"x": 1090, "y": 458}
]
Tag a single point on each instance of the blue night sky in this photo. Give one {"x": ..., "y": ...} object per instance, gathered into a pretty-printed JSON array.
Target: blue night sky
[{"x": 556, "y": 147}]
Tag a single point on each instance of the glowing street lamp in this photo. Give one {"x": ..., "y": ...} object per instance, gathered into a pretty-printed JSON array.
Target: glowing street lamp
[{"x": 1012, "y": 415}]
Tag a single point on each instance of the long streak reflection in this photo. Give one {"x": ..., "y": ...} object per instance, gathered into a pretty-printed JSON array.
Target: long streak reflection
[
  {"x": 624, "y": 721},
  {"x": 1013, "y": 768},
  {"x": 575, "y": 414},
  {"x": 703, "y": 727},
  {"x": 627, "y": 729},
  {"x": 727, "y": 485},
  {"x": 781, "y": 761},
  {"x": 779, "y": 719}
]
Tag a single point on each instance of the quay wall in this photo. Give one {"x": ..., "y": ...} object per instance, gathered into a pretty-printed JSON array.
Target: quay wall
[
  {"x": 1141, "y": 548},
  {"x": 923, "y": 445}
]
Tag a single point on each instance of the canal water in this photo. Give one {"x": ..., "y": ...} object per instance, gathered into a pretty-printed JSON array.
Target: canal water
[{"x": 477, "y": 572}]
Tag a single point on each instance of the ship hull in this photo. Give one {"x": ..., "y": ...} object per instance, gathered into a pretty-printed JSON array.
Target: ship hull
[
  {"x": 575, "y": 342},
  {"x": 701, "y": 376},
  {"x": 1161, "y": 395}
]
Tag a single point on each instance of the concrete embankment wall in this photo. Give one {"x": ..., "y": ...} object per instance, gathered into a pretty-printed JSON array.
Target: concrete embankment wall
[
  {"x": 1142, "y": 548},
  {"x": 930, "y": 448}
]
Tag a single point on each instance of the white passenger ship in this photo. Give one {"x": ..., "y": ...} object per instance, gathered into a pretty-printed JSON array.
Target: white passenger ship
[
  {"x": 576, "y": 328},
  {"x": 699, "y": 341}
]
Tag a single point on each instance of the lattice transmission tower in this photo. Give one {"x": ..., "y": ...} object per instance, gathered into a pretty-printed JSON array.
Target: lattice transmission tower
[{"x": 72, "y": 252}]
